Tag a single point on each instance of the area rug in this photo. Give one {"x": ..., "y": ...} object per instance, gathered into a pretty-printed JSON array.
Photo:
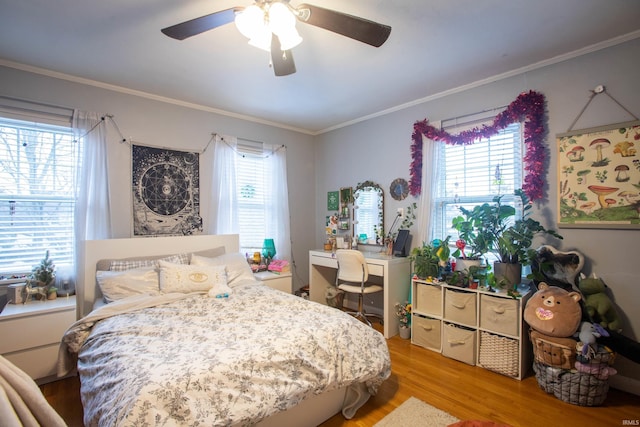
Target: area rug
[{"x": 415, "y": 412}]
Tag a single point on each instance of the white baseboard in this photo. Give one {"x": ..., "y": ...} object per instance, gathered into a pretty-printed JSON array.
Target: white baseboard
[{"x": 630, "y": 385}]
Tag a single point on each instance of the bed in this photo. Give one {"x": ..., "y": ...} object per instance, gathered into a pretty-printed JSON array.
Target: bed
[{"x": 234, "y": 352}]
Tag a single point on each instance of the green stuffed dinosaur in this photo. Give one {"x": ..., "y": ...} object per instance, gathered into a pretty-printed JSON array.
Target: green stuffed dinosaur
[{"x": 599, "y": 307}]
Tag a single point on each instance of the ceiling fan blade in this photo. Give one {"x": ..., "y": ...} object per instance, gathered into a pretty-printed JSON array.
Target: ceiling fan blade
[
  {"x": 200, "y": 25},
  {"x": 282, "y": 61},
  {"x": 364, "y": 30}
]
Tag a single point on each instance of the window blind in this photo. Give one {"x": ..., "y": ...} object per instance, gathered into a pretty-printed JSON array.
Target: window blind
[
  {"x": 252, "y": 196},
  {"x": 38, "y": 163},
  {"x": 469, "y": 175}
]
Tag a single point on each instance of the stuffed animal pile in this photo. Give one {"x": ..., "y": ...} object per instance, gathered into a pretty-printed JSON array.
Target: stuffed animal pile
[
  {"x": 568, "y": 360},
  {"x": 554, "y": 315}
]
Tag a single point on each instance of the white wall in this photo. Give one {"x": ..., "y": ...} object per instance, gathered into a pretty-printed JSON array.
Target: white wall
[
  {"x": 379, "y": 150},
  {"x": 161, "y": 124}
]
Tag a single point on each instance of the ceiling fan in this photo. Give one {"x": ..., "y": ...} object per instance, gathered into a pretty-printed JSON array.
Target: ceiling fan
[{"x": 270, "y": 25}]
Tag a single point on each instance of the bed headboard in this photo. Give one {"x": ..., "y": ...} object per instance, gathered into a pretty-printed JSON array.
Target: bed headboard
[{"x": 95, "y": 250}]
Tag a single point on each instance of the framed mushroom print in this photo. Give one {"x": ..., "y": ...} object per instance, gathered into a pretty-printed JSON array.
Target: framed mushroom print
[{"x": 599, "y": 177}]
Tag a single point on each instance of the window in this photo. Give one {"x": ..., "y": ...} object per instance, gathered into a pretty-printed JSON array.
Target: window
[
  {"x": 252, "y": 200},
  {"x": 38, "y": 164},
  {"x": 475, "y": 174}
]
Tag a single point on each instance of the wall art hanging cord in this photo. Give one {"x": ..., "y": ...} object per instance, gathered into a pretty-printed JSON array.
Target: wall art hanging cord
[
  {"x": 274, "y": 150},
  {"x": 528, "y": 107},
  {"x": 597, "y": 91}
]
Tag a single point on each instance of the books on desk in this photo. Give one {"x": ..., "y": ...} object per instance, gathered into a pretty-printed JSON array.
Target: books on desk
[{"x": 278, "y": 266}]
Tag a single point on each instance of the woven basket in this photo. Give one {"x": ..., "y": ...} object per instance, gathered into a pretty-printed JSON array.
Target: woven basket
[
  {"x": 571, "y": 386},
  {"x": 499, "y": 354},
  {"x": 587, "y": 387}
]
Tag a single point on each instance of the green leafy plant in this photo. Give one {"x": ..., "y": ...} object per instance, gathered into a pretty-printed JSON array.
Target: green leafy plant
[
  {"x": 512, "y": 244},
  {"x": 475, "y": 238},
  {"x": 427, "y": 259},
  {"x": 409, "y": 216},
  {"x": 494, "y": 228}
]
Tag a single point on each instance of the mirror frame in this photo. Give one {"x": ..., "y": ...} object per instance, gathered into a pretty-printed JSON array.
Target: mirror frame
[{"x": 370, "y": 186}]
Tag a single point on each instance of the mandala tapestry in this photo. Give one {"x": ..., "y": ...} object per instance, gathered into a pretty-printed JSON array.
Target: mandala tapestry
[{"x": 166, "y": 192}]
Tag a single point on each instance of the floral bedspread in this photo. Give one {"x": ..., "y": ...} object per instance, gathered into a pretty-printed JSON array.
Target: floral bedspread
[{"x": 196, "y": 360}]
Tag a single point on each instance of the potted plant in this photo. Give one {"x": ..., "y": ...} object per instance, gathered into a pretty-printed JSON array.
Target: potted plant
[
  {"x": 429, "y": 258},
  {"x": 403, "y": 313},
  {"x": 512, "y": 245},
  {"x": 44, "y": 273},
  {"x": 42, "y": 277},
  {"x": 495, "y": 229},
  {"x": 474, "y": 238}
]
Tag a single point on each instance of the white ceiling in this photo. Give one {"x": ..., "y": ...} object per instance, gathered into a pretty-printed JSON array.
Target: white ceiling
[{"x": 435, "y": 46}]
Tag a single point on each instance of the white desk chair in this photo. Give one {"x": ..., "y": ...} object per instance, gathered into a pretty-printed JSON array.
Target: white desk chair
[{"x": 352, "y": 277}]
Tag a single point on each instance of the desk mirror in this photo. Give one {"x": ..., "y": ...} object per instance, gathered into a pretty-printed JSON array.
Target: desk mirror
[{"x": 368, "y": 212}]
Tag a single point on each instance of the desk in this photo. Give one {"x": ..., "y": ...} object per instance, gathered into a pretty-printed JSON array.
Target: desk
[{"x": 394, "y": 272}]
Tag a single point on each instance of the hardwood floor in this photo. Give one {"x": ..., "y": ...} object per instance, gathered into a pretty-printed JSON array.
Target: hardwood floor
[{"x": 467, "y": 392}]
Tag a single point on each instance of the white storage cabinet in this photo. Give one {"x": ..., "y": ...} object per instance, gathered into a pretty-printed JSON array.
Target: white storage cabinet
[
  {"x": 31, "y": 333},
  {"x": 473, "y": 326}
]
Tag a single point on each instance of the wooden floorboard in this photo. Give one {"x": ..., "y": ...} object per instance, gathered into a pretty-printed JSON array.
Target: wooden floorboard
[{"x": 467, "y": 392}]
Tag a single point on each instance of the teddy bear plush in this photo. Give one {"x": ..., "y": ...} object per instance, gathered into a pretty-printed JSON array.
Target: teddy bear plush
[
  {"x": 554, "y": 311},
  {"x": 598, "y": 305}
]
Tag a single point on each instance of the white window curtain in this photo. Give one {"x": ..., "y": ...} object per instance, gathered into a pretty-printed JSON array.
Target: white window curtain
[
  {"x": 426, "y": 208},
  {"x": 277, "y": 224},
  {"x": 93, "y": 213},
  {"x": 224, "y": 199},
  {"x": 92, "y": 210},
  {"x": 223, "y": 206}
]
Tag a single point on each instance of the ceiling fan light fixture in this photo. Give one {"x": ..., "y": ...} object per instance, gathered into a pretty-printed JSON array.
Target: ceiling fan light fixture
[
  {"x": 262, "y": 39},
  {"x": 251, "y": 21},
  {"x": 281, "y": 19},
  {"x": 289, "y": 39}
]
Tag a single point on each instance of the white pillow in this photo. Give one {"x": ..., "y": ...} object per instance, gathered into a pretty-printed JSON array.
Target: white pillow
[
  {"x": 190, "y": 278},
  {"x": 236, "y": 264},
  {"x": 116, "y": 285}
]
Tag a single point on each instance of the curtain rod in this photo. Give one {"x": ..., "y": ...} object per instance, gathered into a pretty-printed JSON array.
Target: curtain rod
[
  {"x": 479, "y": 119},
  {"x": 239, "y": 137}
]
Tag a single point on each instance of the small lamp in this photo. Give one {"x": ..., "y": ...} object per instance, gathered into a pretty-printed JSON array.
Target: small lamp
[{"x": 268, "y": 249}]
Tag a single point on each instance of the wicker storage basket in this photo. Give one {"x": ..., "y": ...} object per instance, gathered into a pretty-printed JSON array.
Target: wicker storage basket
[
  {"x": 585, "y": 387},
  {"x": 499, "y": 354}
]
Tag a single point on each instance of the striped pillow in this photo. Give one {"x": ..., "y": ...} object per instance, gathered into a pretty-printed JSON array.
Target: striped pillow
[{"x": 128, "y": 264}]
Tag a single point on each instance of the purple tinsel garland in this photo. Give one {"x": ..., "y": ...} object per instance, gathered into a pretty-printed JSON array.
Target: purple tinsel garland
[{"x": 529, "y": 106}]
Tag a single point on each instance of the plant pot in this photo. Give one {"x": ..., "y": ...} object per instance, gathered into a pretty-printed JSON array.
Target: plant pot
[
  {"x": 405, "y": 332},
  {"x": 507, "y": 275},
  {"x": 464, "y": 264}
]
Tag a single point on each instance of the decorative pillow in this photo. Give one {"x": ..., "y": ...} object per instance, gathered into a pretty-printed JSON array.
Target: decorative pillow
[
  {"x": 236, "y": 264},
  {"x": 116, "y": 285},
  {"x": 129, "y": 263},
  {"x": 190, "y": 278},
  {"x": 553, "y": 311}
]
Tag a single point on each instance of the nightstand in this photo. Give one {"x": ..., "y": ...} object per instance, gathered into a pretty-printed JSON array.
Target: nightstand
[
  {"x": 281, "y": 282},
  {"x": 31, "y": 334}
]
